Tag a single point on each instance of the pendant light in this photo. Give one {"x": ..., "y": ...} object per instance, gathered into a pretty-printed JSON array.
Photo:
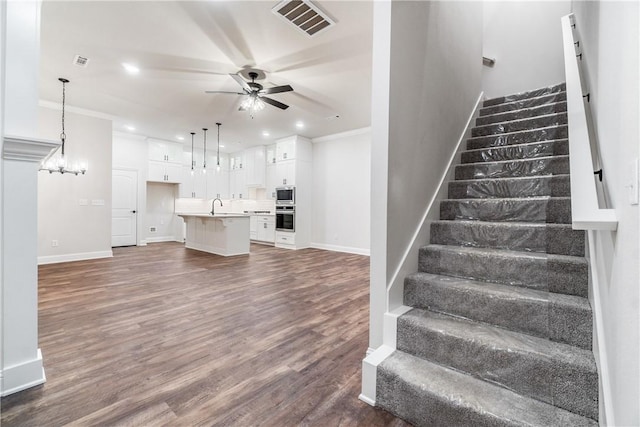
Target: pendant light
[
  {"x": 193, "y": 162},
  {"x": 218, "y": 155},
  {"x": 204, "y": 162},
  {"x": 60, "y": 165}
]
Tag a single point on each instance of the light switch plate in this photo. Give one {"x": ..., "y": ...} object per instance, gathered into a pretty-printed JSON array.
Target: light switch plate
[
  {"x": 633, "y": 182},
  {"x": 97, "y": 202}
]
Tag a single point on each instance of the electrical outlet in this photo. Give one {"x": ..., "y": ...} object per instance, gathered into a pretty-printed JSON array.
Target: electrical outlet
[
  {"x": 152, "y": 229},
  {"x": 54, "y": 243}
]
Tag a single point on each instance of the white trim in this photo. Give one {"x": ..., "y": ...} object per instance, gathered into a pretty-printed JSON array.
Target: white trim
[
  {"x": 27, "y": 149},
  {"x": 369, "y": 373},
  {"x": 162, "y": 239},
  {"x": 585, "y": 211},
  {"x": 432, "y": 203},
  {"x": 23, "y": 376},
  {"x": 82, "y": 256},
  {"x": 337, "y": 248},
  {"x": 342, "y": 135},
  {"x": 390, "y": 325},
  {"x": 599, "y": 341}
]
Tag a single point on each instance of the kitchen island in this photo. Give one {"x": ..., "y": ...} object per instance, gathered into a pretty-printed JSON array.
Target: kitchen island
[{"x": 223, "y": 234}]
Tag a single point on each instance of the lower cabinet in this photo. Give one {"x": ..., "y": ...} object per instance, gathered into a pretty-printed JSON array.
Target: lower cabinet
[{"x": 262, "y": 228}]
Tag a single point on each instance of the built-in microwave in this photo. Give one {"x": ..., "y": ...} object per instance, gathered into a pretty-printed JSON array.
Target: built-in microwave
[{"x": 286, "y": 195}]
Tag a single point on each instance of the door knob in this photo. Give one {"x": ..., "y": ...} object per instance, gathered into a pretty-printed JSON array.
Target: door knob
[{"x": 133, "y": 211}]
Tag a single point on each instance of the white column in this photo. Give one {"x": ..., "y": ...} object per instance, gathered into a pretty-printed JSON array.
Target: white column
[{"x": 21, "y": 153}]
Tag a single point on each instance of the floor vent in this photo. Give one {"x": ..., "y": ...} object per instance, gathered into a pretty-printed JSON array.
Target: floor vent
[
  {"x": 80, "y": 61},
  {"x": 304, "y": 15}
]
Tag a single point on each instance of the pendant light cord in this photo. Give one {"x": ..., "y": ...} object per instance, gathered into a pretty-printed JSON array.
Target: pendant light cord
[
  {"x": 204, "y": 161},
  {"x": 63, "y": 136},
  {"x": 192, "y": 134},
  {"x": 218, "y": 154}
]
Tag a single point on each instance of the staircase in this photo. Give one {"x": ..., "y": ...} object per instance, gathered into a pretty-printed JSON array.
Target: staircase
[{"x": 500, "y": 329}]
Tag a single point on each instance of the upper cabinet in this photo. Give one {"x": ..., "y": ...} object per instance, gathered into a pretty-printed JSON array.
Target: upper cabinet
[
  {"x": 255, "y": 167},
  {"x": 293, "y": 147},
  {"x": 236, "y": 161},
  {"x": 165, "y": 151},
  {"x": 165, "y": 161},
  {"x": 270, "y": 156}
]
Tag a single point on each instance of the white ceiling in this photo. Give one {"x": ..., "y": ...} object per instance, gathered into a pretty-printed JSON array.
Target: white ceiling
[{"x": 185, "y": 48}]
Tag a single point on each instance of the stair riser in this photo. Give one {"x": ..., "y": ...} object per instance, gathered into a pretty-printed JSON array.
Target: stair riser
[
  {"x": 526, "y": 103},
  {"x": 525, "y": 95},
  {"x": 544, "y": 318},
  {"x": 535, "y": 167},
  {"x": 542, "y": 110},
  {"x": 554, "y": 186},
  {"x": 517, "y": 152},
  {"x": 520, "y": 125},
  {"x": 532, "y": 272},
  {"x": 556, "y": 211},
  {"x": 525, "y": 137},
  {"x": 551, "y": 380},
  {"x": 551, "y": 239}
]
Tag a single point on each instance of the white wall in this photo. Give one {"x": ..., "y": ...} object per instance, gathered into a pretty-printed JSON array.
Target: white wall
[
  {"x": 609, "y": 39},
  {"x": 525, "y": 39},
  {"x": 131, "y": 152},
  {"x": 341, "y": 192},
  {"x": 82, "y": 231},
  {"x": 160, "y": 213},
  {"x": 434, "y": 60}
]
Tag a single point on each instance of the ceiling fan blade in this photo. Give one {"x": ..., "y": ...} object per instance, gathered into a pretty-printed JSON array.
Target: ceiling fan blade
[
  {"x": 277, "y": 89},
  {"x": 222, "y": 91},
  {"x": 241, "y": 82},
  {"x": 274, "y": 103}
]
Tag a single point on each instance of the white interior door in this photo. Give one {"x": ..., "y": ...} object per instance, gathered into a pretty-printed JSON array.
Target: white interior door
[{"x": 124, "y": 190}]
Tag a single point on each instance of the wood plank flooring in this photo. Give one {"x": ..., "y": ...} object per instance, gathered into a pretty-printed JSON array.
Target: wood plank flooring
[{"x": 163, "y": 335}]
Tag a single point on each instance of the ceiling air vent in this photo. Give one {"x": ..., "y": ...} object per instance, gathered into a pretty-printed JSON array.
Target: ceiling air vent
[
  {"x": 80, "y": 61},
  {"x": 304, "y": 15}
]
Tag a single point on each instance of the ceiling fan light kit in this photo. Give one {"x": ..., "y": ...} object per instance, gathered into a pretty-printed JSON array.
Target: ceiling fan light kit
[{"x": 254, "y": 92}]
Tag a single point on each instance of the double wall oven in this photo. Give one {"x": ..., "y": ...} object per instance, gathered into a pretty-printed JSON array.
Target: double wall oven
[{"x": 286, "y": 209}]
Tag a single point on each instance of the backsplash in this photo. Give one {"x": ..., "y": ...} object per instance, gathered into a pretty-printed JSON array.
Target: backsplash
[{"x": 187, "y": 206}]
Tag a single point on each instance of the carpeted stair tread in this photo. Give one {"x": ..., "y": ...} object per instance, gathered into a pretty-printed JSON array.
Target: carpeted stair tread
[
  {"x": 509, "y": 187},
  {"x": 548, "y": 371},
  {"x": 520, "y": 137},
  {"x": 535, "y": 111},
  {"x": 512, "y": 209},
  {"x": 561, "y": 318},
  {"x": 528, "y": 123},
  {"x": 547, "y": 272},
  {"x": 530, "y": 150},
  {"x": 552, "y": 165},
  {"x": 535, "y": 93},
  {"x": 524, "y": 103},
  {"x": 558, "y": 239},
  {"x": 427, "y": 394}
]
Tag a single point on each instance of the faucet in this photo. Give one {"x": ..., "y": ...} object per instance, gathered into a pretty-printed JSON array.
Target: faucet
[{"x": 213, "y": 202}]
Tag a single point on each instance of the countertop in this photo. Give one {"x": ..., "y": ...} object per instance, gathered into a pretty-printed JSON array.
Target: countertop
[{"x": 218, "y": 215}]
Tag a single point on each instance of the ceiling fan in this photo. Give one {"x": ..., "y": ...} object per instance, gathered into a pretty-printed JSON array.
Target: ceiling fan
[{"x": 255, "y": 92}]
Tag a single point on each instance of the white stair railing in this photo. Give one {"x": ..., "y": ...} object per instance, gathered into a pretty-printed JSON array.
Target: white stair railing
[{"x": 585, "y": 211}]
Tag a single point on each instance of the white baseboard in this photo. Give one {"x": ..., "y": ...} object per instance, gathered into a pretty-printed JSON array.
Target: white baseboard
[
  {"x": 337, "y": 248},
  {"x": 162, "y": 239},
  {"x": 369, "y": 373},
  {"x": 25, "y": 375},
  {"x": 53, "y": 259}
]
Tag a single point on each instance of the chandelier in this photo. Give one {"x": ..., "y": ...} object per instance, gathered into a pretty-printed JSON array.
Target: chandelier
[
  {"x": 252, "y": 103},
  {"x": 60, "y": 164}
]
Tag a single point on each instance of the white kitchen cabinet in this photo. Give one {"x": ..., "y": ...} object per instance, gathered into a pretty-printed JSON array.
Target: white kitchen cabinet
[
  {"x": 266, "y": 228},
  {"x": 218, "y": 184},
  {"x": 272, "y": 181},
  {"x": 236, "y": 161},
  {"x": 270, "y": 156},
  {"x": 164, "y": 172},
  {"x": 194, "y": 185},
  {"x": 165, "y": 151},
  {"x": 253, "y": 227},
  {"x": 255, "y": 165},
  {"x": 238, "y": 184},
  {"x": 285, "y": 173},
  {"x": 286, "y": 149}
]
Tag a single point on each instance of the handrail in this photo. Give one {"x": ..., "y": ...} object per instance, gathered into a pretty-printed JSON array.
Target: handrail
[{"x": 585, "y": 211}]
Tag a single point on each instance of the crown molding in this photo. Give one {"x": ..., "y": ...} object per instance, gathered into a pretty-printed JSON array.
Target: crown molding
[{"x": 27, "y": 149}]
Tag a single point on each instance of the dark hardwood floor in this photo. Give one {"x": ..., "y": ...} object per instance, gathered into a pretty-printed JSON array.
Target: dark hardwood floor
[{"x": 163, "y": 335}]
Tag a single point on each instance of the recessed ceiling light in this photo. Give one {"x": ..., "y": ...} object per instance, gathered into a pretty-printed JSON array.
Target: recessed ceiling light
[
  {"x": 299, "y": 125},
  {"x": 130, "y": 68},
  {"x": 129, "y": 127},
  {"x": 221, "y": 146},
  {"x": 180, "y": 138},
  {"x": 265, "y": 133}
]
